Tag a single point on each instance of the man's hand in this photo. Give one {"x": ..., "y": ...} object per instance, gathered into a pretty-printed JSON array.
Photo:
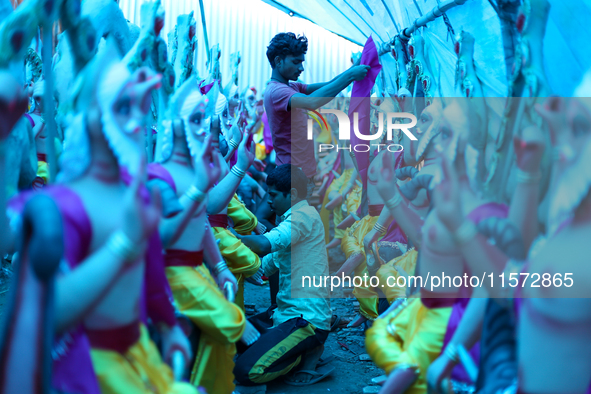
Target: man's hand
[{"x": 358, "y": 72}]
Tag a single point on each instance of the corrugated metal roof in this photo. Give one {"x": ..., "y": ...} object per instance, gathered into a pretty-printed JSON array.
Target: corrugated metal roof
[{"x": 248, "y": 26}]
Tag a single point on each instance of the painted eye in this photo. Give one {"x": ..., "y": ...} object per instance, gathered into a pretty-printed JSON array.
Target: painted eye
[
  {"x": 445, "y": 133},
  {"x": 197, "y": 118},
  {"x": 123, "y": 107}
]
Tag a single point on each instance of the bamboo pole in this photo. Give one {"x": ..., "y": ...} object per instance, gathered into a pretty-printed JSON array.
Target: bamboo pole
[{"x": 435, "y": 13}]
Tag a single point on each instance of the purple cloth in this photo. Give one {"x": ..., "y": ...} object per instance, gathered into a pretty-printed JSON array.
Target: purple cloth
[
  {"x": 477, "y": 215},
  {"x": 289, "y": 127},
  {"x": 267, "y": 137},
  {"x": 361, "y": 103},
  {"x": 204, "y": 89},
  {"x": 156, "y": 171},
  {"x": 156, "y": 293}
]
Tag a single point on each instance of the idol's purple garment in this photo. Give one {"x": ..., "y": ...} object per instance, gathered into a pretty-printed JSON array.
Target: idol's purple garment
[
  {"x": 72, "y": 366},
  {"x": 361, "y": 103}
]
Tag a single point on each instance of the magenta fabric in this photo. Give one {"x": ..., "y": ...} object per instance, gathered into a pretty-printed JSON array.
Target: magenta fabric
[
  {"x": 156, "y": 293},
  {"x": 361, "y": 103},
  {"x": 267, "y": 137},
  {"x": 206, "y": 88},
  {"x": 157, "y": 171},
  {"x": 30, "y": 120},
  {"x": 289, "y": 127}
]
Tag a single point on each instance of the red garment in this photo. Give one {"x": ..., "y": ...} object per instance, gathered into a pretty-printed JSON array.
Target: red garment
[
  {"x": 118, "y": 339},
  {"x": 220, "y": 220},
  {"x": 183, "y": 258}
]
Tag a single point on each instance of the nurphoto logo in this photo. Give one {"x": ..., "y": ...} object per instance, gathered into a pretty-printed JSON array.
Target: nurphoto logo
[{"x": 345, "y": 130}]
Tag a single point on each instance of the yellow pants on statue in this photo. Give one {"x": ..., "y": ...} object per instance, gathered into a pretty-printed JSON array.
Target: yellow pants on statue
[
  {"x": 197, "y": 296},
  {"x": 410, "y": 336},
  {"x": 139, "y": 371},
  {"x": 242, "y": 261},
  {"x": 352, "y": 245},
  {"x": 388, "y": 275}
]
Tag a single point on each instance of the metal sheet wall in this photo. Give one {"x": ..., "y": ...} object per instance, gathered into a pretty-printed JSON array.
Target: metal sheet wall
[{"x": 248, "y": 26}]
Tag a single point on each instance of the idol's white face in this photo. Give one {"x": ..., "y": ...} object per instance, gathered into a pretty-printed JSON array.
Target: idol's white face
[
  {"x": 130, "y": 113},
  {"x": 431, "y": 115},
  {"x": 225, "y": 119},
  {"x": 197, "y": 122}
]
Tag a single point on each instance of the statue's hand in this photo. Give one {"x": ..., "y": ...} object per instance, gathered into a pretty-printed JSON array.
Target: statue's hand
[
  {"x": 438, "y": 375},
  {"x": 553, "y": 111},
  {"x": 207, "y": 167},
  {"x": 246, "y": 154},
  {"x": 529, "y": 149},
  {"x": 175, "y": 339},
  {"x": 446, "y": 198},
  {"x": 386, "y": 178},
  {"x": 140, "y": 220},
  {"x": 227, "y": 276}
]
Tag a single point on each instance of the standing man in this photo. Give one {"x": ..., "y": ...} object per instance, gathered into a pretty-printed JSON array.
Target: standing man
[{"x": 287, "y": 53}]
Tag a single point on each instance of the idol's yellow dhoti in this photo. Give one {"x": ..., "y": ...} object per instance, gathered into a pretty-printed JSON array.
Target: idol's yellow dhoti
[
  {"x": 244, "y": 221},
  {"x": 354, "y": 199},
  {"x": 197, "y": 296},
  {"x": 388, "y": 275},
  {"x": 139, "y": 371},
  {"x": 353, "y": 245},
  {"x": 242, "y": 261},
  {"x": 411, "y": 336}
]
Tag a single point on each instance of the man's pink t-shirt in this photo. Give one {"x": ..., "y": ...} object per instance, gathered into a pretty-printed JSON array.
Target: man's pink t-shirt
[{"x": 289, "y": 128}]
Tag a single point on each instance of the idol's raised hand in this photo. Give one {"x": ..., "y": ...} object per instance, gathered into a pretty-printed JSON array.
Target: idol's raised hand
[
  {"x": 245, "y": 153},
  {"x": 387, "y": 178},
  {"x": 529, "y": 149},
  {"x": 207, "y": 166},
  {"x": 141, "y": 219},
  {"x": 446, "y": 198}
]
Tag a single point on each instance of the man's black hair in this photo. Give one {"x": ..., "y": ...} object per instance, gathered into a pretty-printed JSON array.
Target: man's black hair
[
  {"x": 284, "y": 44},
  {"x": 287, "y": 176}
]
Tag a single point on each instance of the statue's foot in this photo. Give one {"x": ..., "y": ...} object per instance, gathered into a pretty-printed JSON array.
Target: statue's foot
[{"x": 334, "y": 243}]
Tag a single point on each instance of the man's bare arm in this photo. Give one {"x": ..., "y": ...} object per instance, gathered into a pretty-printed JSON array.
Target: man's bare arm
[
  {"x": 322, "y": 93},
  {"x": 257, "y": 243}
]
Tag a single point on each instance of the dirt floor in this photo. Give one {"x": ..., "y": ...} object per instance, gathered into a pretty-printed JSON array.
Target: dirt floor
[{"x": 351, "y": 374}]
